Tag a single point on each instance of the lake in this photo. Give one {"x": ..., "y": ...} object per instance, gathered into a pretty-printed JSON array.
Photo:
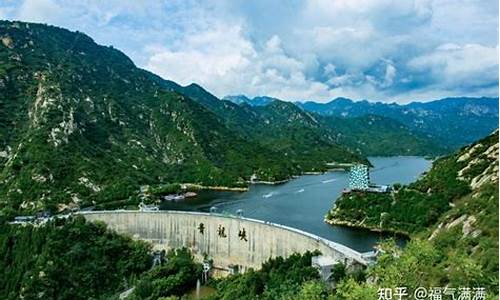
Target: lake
[{"x": 303, "y": 202}]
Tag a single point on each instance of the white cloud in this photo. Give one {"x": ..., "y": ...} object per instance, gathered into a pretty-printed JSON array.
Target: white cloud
[
  {"x": 333, "y": 48},
  {"x": 224, "y": 61},
  {"x": 455, "y": 66},
  {"x": 205, "y": 58},
  {"x": 39, "y": 11},
  {"x": 310, "y": 49},
  {"x": 390, "y": 74}
]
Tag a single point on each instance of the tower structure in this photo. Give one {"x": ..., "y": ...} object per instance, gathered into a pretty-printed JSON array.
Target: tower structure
[{"x": 359, "y": 178}]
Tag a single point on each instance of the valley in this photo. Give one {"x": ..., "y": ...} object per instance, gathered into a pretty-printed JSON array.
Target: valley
[
  {"x": 74, "y": 113},
  {"x": 302, "y": 202},
  {"x": 83, "y": 128}
]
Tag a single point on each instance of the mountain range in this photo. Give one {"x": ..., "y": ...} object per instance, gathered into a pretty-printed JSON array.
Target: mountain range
[
  {"x": 454, "y": 122},
  {"x": 287, "y": 128},
  {"x": 449, "y": 122},
  {"x": 80, "y": 124}
]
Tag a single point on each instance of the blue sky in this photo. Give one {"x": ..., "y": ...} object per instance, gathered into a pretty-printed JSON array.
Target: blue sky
[{"x": 399, "y": 50}]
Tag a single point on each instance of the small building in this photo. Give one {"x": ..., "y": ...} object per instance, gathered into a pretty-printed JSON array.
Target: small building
[
  {"x": 324, "y": 265},
  {"x": 359, "y": 178}
]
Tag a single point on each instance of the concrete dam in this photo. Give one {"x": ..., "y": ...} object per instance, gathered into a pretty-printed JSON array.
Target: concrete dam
[{"x": 231, "y": 241}]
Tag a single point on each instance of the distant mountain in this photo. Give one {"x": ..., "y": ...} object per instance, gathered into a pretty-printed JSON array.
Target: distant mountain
[
  {"x": 380, "y": 136},
  {"x": 238, "y": 99},
  {"x": 256, "y": 101},
  {"x": 366, "y": 135},
  {"x": 81, "y": 124},
  {"x": 453, "y": 122}
]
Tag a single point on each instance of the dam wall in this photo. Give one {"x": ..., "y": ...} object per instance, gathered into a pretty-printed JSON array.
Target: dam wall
[{"x": 229, "y": 240}]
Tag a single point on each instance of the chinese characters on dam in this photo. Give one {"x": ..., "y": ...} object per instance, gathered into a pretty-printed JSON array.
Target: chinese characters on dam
[{"x": 221, "y": 231}]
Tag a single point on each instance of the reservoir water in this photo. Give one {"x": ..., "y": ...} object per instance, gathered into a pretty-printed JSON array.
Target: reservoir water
[{"x": 303, "y": 202}]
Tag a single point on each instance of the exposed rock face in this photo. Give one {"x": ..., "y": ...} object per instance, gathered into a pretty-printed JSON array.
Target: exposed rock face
[
  {"x": 481, "y": 164},
  {"x": 81, "y": 121},
  {"x": 466, "y": 156},
  {"x": 450, "y": 195},
  {"x": 467, "y": 227},
  {"x": 7, "y": 42},
  {"x": 456, "y": 222},
  {"x": 466, "y": 223},
  {"x": 479, "y": 169}
]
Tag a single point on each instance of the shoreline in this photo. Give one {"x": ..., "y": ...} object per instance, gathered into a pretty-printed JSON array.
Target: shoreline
[
  {"x": 313, "y": 173},
  {"x": 271, "y": 182},
  {"x": 337, "y": 168},
  {"x": 188, "y": 186},
  {"x": 348, "y": 224},
  {"x": 295, "y": 176}
]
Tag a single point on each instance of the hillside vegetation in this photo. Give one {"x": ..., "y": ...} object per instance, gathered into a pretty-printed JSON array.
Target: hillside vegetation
[
  {"x": 374, "y": 135},
  {"x": 284, "y": 124},
  {"x": 451, "y": 122},
  {"x": 75, "y": 259},
  {"x": 277, "y": 125},
  {"x": 67, "y": 259},
  {"x": 414, "y": 207},
  {"x": 80, "y": 124},
  {"x": 451, "y": 214}
]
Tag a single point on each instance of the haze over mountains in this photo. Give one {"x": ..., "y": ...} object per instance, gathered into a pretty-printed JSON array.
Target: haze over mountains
[{"x": 81, "y": 124}]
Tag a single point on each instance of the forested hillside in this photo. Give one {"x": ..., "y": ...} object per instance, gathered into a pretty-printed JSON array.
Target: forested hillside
[
  {"x": 375, "y": 135},
  {"x": 67, "y": 259},
  {"x": 277, "y": 125},
  {"x": 80, "y": 124},
  {"x": 414, "y": 207},
  {"x": 453, "y": 122},
  {"x": 75, "y": 259},
  {"x": 286, "y": 128},
  {"x": 451, "y": 214}
]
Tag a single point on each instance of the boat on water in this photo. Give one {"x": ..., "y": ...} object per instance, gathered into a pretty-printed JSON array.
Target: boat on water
[
  {"x": 267, "y": 195},
  {"x": 174, "y": 197},
  {"x": 178, "y": 197}
]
